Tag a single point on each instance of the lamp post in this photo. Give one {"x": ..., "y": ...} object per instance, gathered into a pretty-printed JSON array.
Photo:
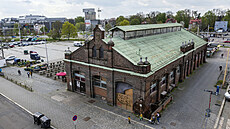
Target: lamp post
[
  {"x": 208, "y": 110},
  {"x": 45, "y": 44}
]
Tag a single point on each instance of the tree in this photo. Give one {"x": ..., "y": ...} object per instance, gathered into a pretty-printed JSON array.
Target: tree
[
  {"x": 79, "y": 19},
  {"x": 161, "y": 18},
  {"x": 80, "y": 26},
  {"x": 119, "y": 19},
  {"x": 124, "y": 23},
  {"x": 68, "y": 29},
  {"x": 227, "y": 17},
  {"x": 42, "y": 29},
  {"x": 135, "y": 22},
  {"x": 183, "y": 15},
  {"x": 208, "y": 18},
  {"x": 107, "y": 27},
  {"x": 56, "y": 30}
]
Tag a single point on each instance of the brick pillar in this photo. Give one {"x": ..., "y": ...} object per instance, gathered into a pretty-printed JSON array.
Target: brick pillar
[
  {"x": 167, "y": 81},
  {"x": 198, "y": 59},
  {"x": 204, "y": 60},
  {"x": 202, "y": 57},
  {"x": 181, "y": 78},
  {"x": 158, "y": 90},
  {"x": 175, "y": 76}
]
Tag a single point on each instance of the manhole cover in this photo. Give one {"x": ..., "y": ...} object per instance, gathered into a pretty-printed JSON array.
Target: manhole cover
[
  {"x": 86, "y": 119},
  {"x": 91, "y": 101},
  {"x": 173, "y": 123}
]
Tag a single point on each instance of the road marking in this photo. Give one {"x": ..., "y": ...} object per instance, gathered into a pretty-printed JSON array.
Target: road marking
[
  {"x": 221, "y": 122},
  {"x": 21, "y": 107},
  {"x": 124, "y": 117},
  {"x": 228, "y": 124}
]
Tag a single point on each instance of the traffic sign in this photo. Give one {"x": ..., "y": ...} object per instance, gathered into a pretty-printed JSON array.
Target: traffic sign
[{"x": 74, "y": 118}]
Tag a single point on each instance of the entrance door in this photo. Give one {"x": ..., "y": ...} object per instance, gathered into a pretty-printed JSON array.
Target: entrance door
[
  {"x": 80, "y": 83},
  {"x": 124, "y": 96}
]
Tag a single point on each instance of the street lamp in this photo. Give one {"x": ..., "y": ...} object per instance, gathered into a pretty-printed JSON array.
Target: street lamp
[
  {"x": 208, "y": 110},
  {"x": 45, "y": 44}
]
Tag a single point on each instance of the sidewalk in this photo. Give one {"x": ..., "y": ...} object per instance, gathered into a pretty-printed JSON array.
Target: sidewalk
[{"x": 60, "y": 106}]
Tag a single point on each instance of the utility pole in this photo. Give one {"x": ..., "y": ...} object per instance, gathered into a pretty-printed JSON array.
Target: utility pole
[
  {"x": 2, "y": 50},
  {"x": 45, "y": 43}
]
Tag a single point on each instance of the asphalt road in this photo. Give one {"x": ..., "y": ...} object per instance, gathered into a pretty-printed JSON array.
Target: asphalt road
[
  {"x": 190, "y": 101},
  {"x": 13, "y": 117}
]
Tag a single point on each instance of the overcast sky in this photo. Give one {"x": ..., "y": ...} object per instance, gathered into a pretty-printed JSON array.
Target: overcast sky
[{"x": 110, "y": 8}]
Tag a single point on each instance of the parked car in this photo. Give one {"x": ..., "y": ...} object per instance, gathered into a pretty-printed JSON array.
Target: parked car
[
  {"x": 11, "y": 45},
  {"x": 226, "y": 41},
  {"x": 10, "y": 58},
  {"x": 77, "y": 44},
  {"x": 227, "y": 95}
]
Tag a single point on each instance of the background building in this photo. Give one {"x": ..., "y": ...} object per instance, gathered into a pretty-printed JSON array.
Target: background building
[
  {"x": 221, "y": 25},
  {"x": 90, "y": 19}
]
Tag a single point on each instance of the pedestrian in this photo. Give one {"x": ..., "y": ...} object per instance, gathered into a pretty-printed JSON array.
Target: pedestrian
[
  {"x": 141, "y": 117},
  {"x": 220, "y": 67},
  {"x": 129, "y": 119},
  {"x": 19, "y": 72},
  {"x": 152, "y": 120},
  {"x": 28, "y": 73},
  {"x": 158, "y": 118},
  {"x": 222, "y": 55},
  {"x": 31, "y": 73}
]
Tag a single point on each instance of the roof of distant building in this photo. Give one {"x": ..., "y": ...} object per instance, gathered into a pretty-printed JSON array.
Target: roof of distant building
[
  {"x": 145, "y": 26},
  {"x": 195, "y": 20}
]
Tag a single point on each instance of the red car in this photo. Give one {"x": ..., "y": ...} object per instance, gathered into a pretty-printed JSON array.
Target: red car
[
  {"x": 226, "y": 41},
  {"x": 11, "y": 45}
]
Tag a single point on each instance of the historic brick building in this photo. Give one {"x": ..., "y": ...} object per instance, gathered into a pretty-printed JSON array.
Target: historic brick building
[{"x": 140, "y": 64}]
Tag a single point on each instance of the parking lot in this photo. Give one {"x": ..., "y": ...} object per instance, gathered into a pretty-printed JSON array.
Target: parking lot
[{"x": 55, "y": 51}]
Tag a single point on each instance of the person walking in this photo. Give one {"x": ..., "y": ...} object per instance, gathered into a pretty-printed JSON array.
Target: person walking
[
  {"x": 28, "y": 73},
  {"x": 222, "y": 55},
  {"x": 158, "y": 118},
  {"x": 220, "y": 67},
  {"x": 129, "y": 119},
  {"x": 141, "y": 117},
  {"x": 19, "y": 72},
  {"x": 31, "y": 73}
]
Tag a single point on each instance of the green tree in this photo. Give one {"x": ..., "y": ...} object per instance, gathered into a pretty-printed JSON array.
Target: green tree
[
  {"x": 119, "y": 19},
  {"x": 68, "y": 29},
  {"x": 227, "y": 17},
  {"x": 79, "y": 19},
  {"x": 80, "y": 26},
  {"x": 56, "y": 30},
  {"x": 107, "y": 27},
  {"x": 183, "y": 15},
  {"x": 161, "y": 18},
  {"x": 42, "y": 29},
  {"x": 135, "y": 21},
  {"x": 124, "y": 23},
  {"x": 208, "y": 18}
]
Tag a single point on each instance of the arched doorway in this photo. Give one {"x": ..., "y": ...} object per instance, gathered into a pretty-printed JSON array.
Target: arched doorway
[{"x": 124, "y": 96}]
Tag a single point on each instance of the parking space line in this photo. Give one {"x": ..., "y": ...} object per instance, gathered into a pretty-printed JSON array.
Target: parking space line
[
  {"x": 228, "y": 124},
  {"x": 221, "y": 123}
]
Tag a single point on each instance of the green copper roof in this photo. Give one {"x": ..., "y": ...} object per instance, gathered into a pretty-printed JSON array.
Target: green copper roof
[
  {"x": 145, "y": 27},
  {"x": 161, "y": 49}
]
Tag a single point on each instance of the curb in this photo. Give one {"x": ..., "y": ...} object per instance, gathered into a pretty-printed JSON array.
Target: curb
[
  {"x": 52, "y": 127},
  {"x": 220, "y": 112}
]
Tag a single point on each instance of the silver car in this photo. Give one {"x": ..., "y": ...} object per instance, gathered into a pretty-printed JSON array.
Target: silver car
[{"x": 227, "y": 95}]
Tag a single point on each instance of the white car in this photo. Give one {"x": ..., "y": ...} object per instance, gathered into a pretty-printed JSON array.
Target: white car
[{"x": 227, "y": 95}]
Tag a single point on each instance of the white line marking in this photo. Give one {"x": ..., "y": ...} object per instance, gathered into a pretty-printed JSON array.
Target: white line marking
[{"x": 221, "y": 122}]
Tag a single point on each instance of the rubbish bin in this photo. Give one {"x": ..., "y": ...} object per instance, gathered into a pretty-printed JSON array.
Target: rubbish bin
[
  {"x": 45, "y": 122},
  {"x": 37, "y": 116}
]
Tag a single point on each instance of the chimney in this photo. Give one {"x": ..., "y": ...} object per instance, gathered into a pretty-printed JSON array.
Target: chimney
[
  {"x": 146, "y": 61},
  {"x": 141, "y": 62}
]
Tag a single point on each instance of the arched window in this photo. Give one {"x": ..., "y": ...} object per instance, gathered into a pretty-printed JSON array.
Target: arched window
[
  {"x": 94, "y": 51},
  {"x": 101, "y": 52}
]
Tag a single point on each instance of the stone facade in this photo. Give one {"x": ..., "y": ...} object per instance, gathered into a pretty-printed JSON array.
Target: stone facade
[{"x": 96, "y": 69}]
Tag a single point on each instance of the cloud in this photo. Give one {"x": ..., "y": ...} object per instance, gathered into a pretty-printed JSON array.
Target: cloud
[{"x": 73, "y": 8}]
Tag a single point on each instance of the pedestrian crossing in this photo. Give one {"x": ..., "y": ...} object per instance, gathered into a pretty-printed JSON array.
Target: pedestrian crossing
[
  {"x": 208, "y": 122},
  {"x": 224, "y": 123}
]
